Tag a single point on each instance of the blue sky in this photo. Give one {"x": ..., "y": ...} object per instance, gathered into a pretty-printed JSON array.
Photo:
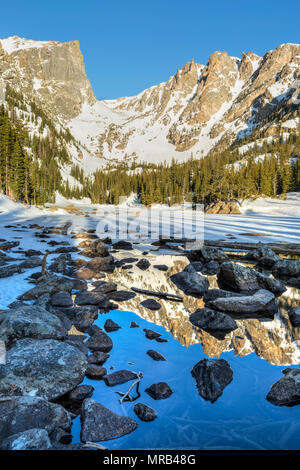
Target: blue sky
[{"x": 131, "y": 45}]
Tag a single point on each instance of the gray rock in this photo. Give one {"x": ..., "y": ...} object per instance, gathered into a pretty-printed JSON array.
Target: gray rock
[
  {"x": 19, "y": 414},
  {"x": 286, "y": 268},
  {"x": 95, "y": 372},
  {"x": 99, "y": 341},
  {"x": 32, "y": 262},
  {"x": 32, "y": 439},
  {"x": 110, "y": 325},
  {"x": 156, "y": 356},
  {"x": 101, "y": 424},
  {"x": 61, "y": 299},
  {"x": 133, "y": 324},
  {"x": 265, "y": 257},
  {"x": 257, "y": 302},
  {"x": 161, "y": 267},
  {"x": 145, "y": 412},
  {"x": 82, "y": 316},
  {"x": 236, "y": 277},
  {"x": 159, "y": 391},
  {"x": 98, "y": 357},
  {"x": 30, "y": 322},
  {"x": 212, "y": 321},
  {"x": 121, "y": 295},
  {"x": 49, "y": 285},
  {"x": 212, "y": 376},
  {"x": 143, "y": 264},
  {"x": 47, "y": 368},
  {"x": 190, "y": 282},
  {"x": 286, "y": 392},
  {"x": 99, "y": 263},
  {"x": 60, "y": 264},
  {"x": 207, "y": 253},
  {"x": 210, "y": 268},
  {"x": 104, "y": 287},
  {"x": 294, "y": 314},
  {"x": 8, "y": 271},
  {"x": 119, "y": 377},
  {"x": 101, "y": 249},
  {"x": 122, "y": 245},
  {"x": 90, "y": 298},
  {"x": 213, "y": 294},
  {"x": 78, "y": 341},
  {"x": 150, "y": 334},
  {"x": 151, "y": 304},
  {"x": 43, "y": 301}
]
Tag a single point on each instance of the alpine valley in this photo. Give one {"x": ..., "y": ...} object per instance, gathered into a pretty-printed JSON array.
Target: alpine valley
[{"x": 228, "y": 110}]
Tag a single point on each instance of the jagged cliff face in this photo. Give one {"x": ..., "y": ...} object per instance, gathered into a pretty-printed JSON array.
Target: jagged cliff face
[
  {"x": 49, "y": 72},
  {"x": 199, "y": 109}
]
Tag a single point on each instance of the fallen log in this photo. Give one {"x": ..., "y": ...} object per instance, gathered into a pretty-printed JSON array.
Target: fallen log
[
  {"x": 161, "y": 295},
  {"x": 284, "y": 248}
]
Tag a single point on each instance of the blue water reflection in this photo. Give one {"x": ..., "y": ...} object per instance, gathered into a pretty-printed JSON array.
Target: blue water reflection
[{"x": 241, "y": 418}]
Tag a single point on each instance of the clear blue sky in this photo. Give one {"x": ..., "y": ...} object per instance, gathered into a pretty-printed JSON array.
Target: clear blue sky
[{"x": 131, "y": 45}]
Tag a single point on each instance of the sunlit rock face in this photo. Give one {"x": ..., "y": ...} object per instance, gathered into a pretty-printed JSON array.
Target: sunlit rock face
[
  {"x": 199, "y": 109},
  {"x": 274, "y": 340},
  {"x": 50, "y": 73}
]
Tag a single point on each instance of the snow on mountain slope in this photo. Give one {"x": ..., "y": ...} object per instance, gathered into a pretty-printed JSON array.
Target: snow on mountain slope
[{"x": 199, "y": 109}]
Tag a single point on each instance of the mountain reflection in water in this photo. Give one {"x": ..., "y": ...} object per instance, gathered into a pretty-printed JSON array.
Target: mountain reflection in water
[{"x": 274, "y": 340}]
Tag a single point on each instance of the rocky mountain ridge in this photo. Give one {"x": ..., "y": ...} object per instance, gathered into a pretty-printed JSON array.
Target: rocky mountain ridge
[{"x": 201, "y": 108}]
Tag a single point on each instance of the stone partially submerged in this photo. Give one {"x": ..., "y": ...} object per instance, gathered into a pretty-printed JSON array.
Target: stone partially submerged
[
  {"x": 286, "y": 392},
  {"x": 190, "y": 282},
  {"x": 44, "y": 368},
  {"x": 98, "y": 423},
  {"x": 248, "y": 304},
  {"x": 238, "y": 278},
  {"x": 30, "y": 322},
  {"x": 212, "y": 376},
  {"x": 19, "y": 414},
  {"x": 212, "y": 321}
]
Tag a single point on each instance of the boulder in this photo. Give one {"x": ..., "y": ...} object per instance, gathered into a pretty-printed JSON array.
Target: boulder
[
  {"x": 98, "y": 263},
  {"x": 48, "y": 285},
  {"x": 286, "y": 392},
  {"x": 294, "y": 314},
  {"x": 59, "y": 264},
  {"x": 90, "y": 298},
  {"x": 144, "y": 412},
  {"x": 98, "y": 357},
  {"x": 121, "y": 295},
  {"x": 61, "y": 299},
  {"x": 151, "y": 304},
  {"x": 104, "y": 287},
  {"x": 286, "y": 268},
  {"x": 32, "y": 262},
  {"x": 213, "y": 294},
  {"x": 30, "y": 322},
  {"x": 83, "y": 316},
  {"x": 150, "y": 334},
  {"x": 210, "y": 269},
  {"x": 19, "y": 414},
  {"x": 159, "y": 391},
  {"x": 161, "y": 267},
  {"x": 212, "y": 321},
  {"x": 133, "y": 324},
  {"x": 212, "y": 376},
  {"x": 32, "y": 439},
  {"x": 73, "y": 400},
  {"x": 234, "y": 276},
  {"x": 99, "y": 341},
  {"x": 248, "y": 304},
  {"x": 119, "y": 377},
  {"x": 46, "y": 368},
  {"x": 143, "y": 264},
  {"x": 98, "y": 423},
  {"x": 207, "y": 253},
  {"x": 122, "y": 245},
  {"x": 156, "y": 356},
  {"x": 95, "y": 372},
  {"x": 265, "y": 256},
  {"x": 110, "y": 326},
  {"x": 8, "y": 271},
  {"x": 190, "y": 282}
]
